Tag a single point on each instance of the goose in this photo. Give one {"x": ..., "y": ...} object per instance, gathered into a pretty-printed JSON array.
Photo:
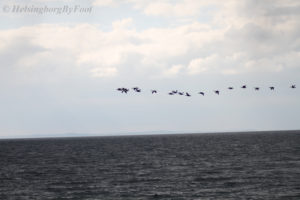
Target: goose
[
  {"x": 136, "y": 89},
  {"x": 123, "y": 90}
]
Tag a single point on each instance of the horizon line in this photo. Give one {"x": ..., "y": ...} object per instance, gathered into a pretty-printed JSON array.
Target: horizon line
[{"x": 140, "y": 133}]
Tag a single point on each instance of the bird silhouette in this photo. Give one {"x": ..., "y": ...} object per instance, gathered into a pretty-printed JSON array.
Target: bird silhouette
[
  {"x": 180, "y": 93},
  {"x": 272, "y": 88},
  {"x": 174, "y": 91},
  {"x": 136, "y": 89},
  {"x": 153, "y": 91},
  {"x": 256, "y": 88},
  {"x": 171, "y": 93},
  {"x": 230, "y": 88},
  {"x": 293, "y": 86},
  {"x": 217, "y": 92},
  {"x": 187, "y": 94},
  {"x": 244, "y": 87},
  {"x": 123, "y": 90},
  {"x": 202, "y": 93}
]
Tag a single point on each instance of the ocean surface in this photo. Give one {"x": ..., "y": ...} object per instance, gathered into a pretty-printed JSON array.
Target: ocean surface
[{"x": 261, "y": 165}]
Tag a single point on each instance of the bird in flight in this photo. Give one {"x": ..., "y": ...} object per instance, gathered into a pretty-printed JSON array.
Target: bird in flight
[
  {"x": 293, "y": 86},
  {"x": 230, "y": 88},
  {"x": 123, "y": 90},
  {"x": 171, "y": 93},
  {"x": 187, "y": 94},
  {"x": 217, "y": 92},
  {"x": 256, "y": 88},
  {"x": 180, "y": 93},
  {"x": 153, "y": 91},
  {"x": 272, "y": 88},
  {"x": 244, "y": 86},
  {"x": 136, "y": 89},
  {"x": 202, "y": 93}
]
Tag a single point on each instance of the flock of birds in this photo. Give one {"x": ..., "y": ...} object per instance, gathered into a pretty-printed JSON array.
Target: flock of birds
[{"x": 173, "y": 92}]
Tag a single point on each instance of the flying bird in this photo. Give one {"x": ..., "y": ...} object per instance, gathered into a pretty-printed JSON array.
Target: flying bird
[
  {"x": 272, "y": 88},
  {"x": 217, "y": 92},
  {"x": 123, "y": 90},
  {"x": 153, "y": 91},
  {"x": 202, "y": 93},
  {"x": 187, "y": 94},
  {"x": 174, "y": 91},
  {"x": 230, "y": 88},
  {"x": 136, "y": 89},
  {"x": 256, "y": 88},
  {"x": 244, "y": 87},
  {"x": 170, "y": 93},
  {"x": 180, "y": 93},
  {"x": 293, "y": 86}
]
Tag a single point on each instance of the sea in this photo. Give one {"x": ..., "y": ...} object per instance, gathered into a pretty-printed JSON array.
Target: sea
[{"x": 245, "y": 165}]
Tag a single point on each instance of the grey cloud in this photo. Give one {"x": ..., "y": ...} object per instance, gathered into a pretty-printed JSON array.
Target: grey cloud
[{"x": 18, "y": 48}]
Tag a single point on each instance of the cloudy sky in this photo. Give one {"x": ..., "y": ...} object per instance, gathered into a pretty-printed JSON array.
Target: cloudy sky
[{"x": 61, "y": 62}]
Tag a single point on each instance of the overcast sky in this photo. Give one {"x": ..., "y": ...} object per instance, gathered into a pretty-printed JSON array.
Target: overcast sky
[{"x": 59, "y": 70}]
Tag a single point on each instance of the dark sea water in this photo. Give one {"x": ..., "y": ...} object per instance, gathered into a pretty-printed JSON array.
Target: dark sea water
[{"x": 200, "y": 166}]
